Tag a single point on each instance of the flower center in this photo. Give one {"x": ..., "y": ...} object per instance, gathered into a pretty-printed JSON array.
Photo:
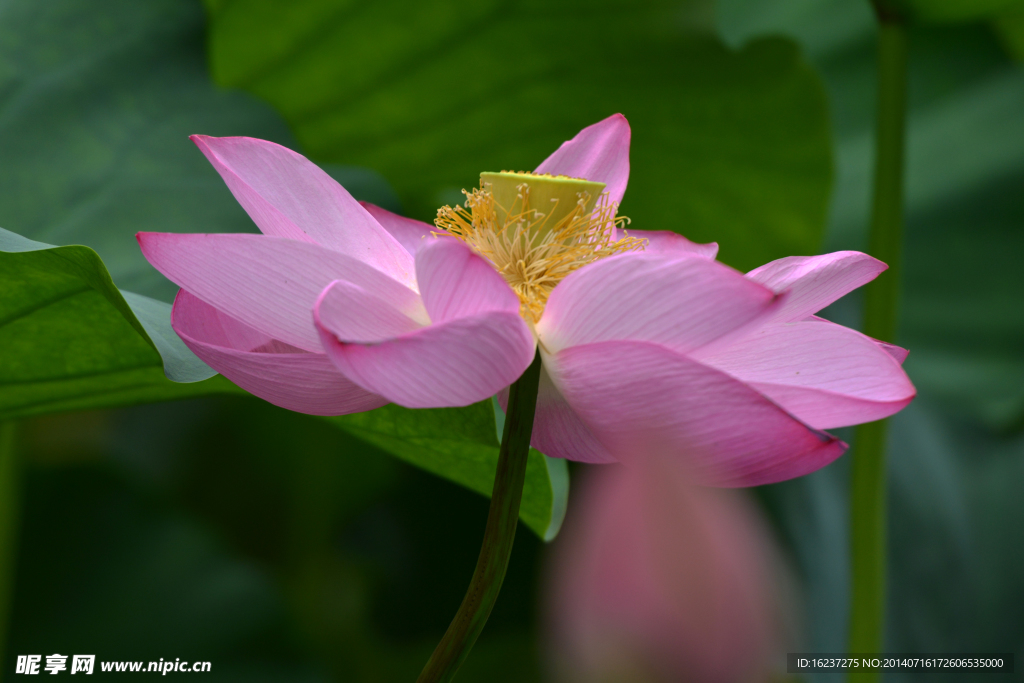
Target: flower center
[{"x": 536, "y": 229}]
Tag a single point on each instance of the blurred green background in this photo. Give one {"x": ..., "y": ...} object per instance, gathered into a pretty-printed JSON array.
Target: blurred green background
[{"x": 280, "y": 547}]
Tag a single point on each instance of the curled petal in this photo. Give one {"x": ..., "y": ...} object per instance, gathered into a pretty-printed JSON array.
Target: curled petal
[
  {"x": 276, "y": 372},
  {"x": 456, "y": 282},
  {"x": 813, "y": 282},
  {"x": 268, "y": 283},
  {"x": 682, "y": 302},
  {"x": 288, "y": 196},
  {"x": 411, "y": 234},
  {"x": 897, "y": 352},
  {"x": 599, "y": 152},
  {"x": 643, "y": 399},
  {"x": 825, "y": 374},
  {"x": 359, "y": 316},
  {"x": 453, "y": 363}
]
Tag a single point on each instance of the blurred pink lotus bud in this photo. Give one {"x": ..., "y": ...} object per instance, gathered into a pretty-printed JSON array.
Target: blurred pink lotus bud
[{"x": 658, "y": 581}]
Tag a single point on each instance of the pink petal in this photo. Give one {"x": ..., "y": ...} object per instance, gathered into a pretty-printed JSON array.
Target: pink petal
[
  {"x": 456, "y": 282},
  {"x": 652, "y": 575},
  {"x": 278, "y": 373},
  {"x": 453, "y": 363},
  {"x": 268, "y": 283},
  {"x": 897, "y": 352},
  {"x": 288, "y": 196},
  {"x": 359, "y": 316},
  {"x": 643, "y": 399},
  {"x": 599, "y": 152},
  {"x": 825, "y": 374},
  {"x": 560, "y": 433},
  {"x": 668, "y": 242},
  {"x": 557, "y": 430},
  {"x": 680, "y": 301},
  {"x": 814, "y": 282},
  {"x": 411, "y": 234}
]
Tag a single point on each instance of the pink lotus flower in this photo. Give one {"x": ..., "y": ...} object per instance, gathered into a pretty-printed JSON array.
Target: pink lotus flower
[
  {"x": 654, "y": 580},
  {"x": 647, "y": 341}
]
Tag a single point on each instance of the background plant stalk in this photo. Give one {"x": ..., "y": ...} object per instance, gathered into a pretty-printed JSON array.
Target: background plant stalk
[
  {"x": 502, "y": 520},
  {"x": 868, "y": 485},
  {"x": 9, "y": 508}
]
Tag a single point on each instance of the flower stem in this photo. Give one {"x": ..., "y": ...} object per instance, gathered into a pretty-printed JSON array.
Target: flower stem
[
  {"x": 868, "y": 485},
  {"x": 9, "y": 508},
  {"x": 498, "y": 536}
]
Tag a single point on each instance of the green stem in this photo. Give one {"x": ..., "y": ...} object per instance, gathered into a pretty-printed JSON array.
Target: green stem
[
  {"x": 9, "y": 507},
  {"x": 868, "y": 485},
  {"x": 500, "y": 532}
]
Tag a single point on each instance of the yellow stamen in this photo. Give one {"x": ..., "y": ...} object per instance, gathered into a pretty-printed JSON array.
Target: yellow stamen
[{"x": 534, "y": 250}]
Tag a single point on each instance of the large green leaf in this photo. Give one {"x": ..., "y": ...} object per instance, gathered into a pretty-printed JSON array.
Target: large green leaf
[
  {"x": 730, "y": 146},
  {"x": 461, "y": 444},
  {"x": 97, "y": 108},
  {"x": 71, "y": 340}
]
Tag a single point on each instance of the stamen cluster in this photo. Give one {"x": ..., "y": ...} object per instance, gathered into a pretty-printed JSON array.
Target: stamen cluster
[{"x": 530, "y": 250}]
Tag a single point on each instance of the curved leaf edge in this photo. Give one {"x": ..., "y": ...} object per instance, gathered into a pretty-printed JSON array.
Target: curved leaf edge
[{"x": 149, "y": 317}]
